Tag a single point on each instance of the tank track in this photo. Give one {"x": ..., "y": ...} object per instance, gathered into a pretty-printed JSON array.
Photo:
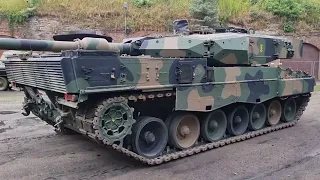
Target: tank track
[{"x": 198, "y": 148}]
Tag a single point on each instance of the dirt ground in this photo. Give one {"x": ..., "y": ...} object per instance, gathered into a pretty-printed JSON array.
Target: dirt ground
[{"x": 30, "y": 149}]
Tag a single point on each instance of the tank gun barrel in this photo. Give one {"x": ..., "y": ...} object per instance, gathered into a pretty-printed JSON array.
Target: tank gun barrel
[{"x": 57, "y": 46}]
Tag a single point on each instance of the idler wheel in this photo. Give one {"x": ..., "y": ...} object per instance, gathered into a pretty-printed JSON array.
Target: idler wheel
[
  {"x": 273, "y": 113},
  {"x": 214, "y": 126},
  {"x": 150, "y": 136},
  {"x": 258, "y": 116},
  {"x": 238, "y": 121},
  {"x": 289, "y": 110},
  {"x": 184, "y": 130}
]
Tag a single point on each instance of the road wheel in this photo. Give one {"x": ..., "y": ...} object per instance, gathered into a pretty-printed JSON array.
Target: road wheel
[
  {"x": 184, "y": 130},
  {"x": 289, "y": 110},
  {"x": 258, "y": 116},
  {"x": 214, "y": 126},
  {"x": 150, "y": 136},
  {"x": 238, "y": 121},
  {"x": 273, "y": 113}
]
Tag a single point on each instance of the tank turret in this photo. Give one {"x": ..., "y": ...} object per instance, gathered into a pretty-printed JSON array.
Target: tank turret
[
  {"x": 224, "y": 48},
  {"x": 220, "y": 49}
]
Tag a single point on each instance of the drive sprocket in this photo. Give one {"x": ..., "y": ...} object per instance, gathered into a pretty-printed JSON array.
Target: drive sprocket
[{"x": 113, "y": 120}]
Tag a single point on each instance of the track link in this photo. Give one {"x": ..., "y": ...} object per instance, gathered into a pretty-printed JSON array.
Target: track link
[{"x": 201, "y": 147}]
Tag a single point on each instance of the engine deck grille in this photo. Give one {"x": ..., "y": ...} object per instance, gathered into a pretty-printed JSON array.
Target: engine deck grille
[{"x": 40, "y": 74}]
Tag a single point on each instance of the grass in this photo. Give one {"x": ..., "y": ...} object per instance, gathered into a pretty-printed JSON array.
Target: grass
[
  {"x": 312, "y": 13},
  {"x": 110, "y": 13},
  {"x": 16, "y": 11},
  {"x": 9, "y": 6},
  {"x": 159, "y": 16},
  {"x": 233, "y": 9}
]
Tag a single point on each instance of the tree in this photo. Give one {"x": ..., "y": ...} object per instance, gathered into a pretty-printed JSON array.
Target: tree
[{"x": 206, "y": 11}]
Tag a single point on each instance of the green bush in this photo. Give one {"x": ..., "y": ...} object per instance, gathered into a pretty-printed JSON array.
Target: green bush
[
  {"x": 254, "y": 1},
  {"x": 205, "y": 10},
  {"x": 142, "y": 3},
  {"x": 291, "y": 9},
  {"x": 311, "y": 12},
  {"x": 233, "y": 9},
  {"x": 288, "y": 26},
  {"x": 17, "y": 11}
]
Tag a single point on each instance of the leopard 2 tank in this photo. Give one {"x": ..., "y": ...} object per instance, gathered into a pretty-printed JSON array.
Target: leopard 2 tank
[{"x": 158, "y": 99}]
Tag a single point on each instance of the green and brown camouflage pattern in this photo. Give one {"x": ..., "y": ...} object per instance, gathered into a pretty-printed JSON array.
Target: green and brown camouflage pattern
[
  {"x": 193, "y": 65},
  {"x": 224, "y": 49},
  {"x": 112, "y": 91},
  {"x": 220, "y": 49},
  {"x": 87, "y": 43},
  {"x": 241, "y": 84}
]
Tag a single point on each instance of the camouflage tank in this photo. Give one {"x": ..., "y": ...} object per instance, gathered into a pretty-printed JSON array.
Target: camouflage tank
[
  {"x": 158, "y": 99},
  {"x": 4, "y": 83}
]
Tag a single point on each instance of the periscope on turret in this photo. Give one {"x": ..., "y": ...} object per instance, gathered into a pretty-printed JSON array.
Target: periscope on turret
[{"x": 158, "y": 99}]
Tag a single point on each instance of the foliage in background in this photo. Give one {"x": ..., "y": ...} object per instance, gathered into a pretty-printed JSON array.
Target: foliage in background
[
  {"x": 311, "y": 12},
  {"x": 142, "y": 3},
  {"x": 289, "y": 10},
  {"x": 233, "y": 9},
  {"x": 17, "y": 11},
  {"x": 110, "y": 13},
  {"x": 206, "y": 11},
  {"x": 158, "y": 15},
  {"x": 294, "y": 11}
]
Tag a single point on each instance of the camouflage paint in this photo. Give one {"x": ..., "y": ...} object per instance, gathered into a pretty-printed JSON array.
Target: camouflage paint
[
  {"x": 142, "y": 72},
  {"x": 296, "y": 86},
  {"x": 220, "y": 49},
  {"x": 240, "y": 84},
  {"x": 230, "y": 51},
  {"x": 57, "y": 46},
  {"x": 188, "y": 63}
]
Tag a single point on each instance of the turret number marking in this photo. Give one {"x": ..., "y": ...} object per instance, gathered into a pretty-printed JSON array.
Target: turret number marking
[{"x": 261, "y": 48}]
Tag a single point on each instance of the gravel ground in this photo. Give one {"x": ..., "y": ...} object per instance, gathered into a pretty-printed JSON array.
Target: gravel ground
[{"x": 31, "y": 150}]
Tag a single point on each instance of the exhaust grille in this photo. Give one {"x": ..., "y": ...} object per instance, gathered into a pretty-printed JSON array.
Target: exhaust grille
[{"x": 40, "y": 74}]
